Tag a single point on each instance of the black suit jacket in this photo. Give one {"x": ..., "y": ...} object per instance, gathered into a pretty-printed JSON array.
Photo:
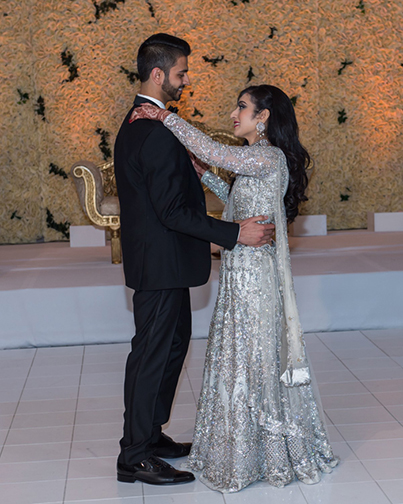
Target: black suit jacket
[{"x": 166, "y": 232}]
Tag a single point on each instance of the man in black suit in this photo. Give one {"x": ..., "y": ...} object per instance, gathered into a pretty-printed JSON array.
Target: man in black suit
[{"x": 166, "y": 237}]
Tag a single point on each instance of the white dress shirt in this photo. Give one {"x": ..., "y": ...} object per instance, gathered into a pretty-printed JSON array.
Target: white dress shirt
[{"x": 154, "y": 100}]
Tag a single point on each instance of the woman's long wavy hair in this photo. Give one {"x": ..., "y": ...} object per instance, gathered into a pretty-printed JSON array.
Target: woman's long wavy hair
[{"x": 282, "y": 132}]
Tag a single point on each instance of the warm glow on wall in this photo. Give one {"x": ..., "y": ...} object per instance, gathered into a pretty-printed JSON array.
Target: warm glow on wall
[{"x": 68, "y": 78}]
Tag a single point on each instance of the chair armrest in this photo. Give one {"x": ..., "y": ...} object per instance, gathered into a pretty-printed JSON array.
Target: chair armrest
[{"x": 88, "y": 181}]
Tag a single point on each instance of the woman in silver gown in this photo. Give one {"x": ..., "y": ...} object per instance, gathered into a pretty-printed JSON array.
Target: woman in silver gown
[{"x": 257, "y": 417}]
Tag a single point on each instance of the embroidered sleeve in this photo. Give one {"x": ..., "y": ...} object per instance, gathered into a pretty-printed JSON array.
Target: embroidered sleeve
[
  {"x": 216, "y": 184},
  {"x": 255, "y": 161}
]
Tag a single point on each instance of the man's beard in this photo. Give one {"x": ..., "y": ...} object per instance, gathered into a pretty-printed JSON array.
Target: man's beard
[{"x": 173, "y": 92}]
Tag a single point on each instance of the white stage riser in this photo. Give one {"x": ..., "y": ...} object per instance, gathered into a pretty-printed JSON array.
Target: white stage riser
[
  {"x": 346, "y": 302},
  {"x": 86, "y": 315}
]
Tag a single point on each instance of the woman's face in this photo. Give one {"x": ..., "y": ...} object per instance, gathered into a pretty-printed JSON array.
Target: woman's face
[{"x": 245, "y": 119}]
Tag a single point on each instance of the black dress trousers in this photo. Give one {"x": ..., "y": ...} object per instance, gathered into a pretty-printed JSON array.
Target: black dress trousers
[{"x": 163, "y": 329}]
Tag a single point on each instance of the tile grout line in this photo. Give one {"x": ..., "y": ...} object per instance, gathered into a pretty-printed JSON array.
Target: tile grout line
[
  {"x": 356, "y": 377},
  {"x": 390, "y": 413},
  {"x": 144, "y": 497},
  {"x": 224, "y": 499},
  {"x": 18, "y": 403},
  {"x": 382, "y": 350},
  {"x": 361, "y": 462},
  {"x": 370, "y": 340},
  {"x": 381, "y": 489},
  {"x": 74, "y": 426},
  {"x": 334, "y": 425},
  {"x": 299, "y": 483}
]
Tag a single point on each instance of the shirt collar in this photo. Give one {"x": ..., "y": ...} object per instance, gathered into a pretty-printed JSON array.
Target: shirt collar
[{"x": 154, "y": 100}]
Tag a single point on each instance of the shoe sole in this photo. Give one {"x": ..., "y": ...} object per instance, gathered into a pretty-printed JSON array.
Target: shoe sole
[{"x": 129, "y": 478}]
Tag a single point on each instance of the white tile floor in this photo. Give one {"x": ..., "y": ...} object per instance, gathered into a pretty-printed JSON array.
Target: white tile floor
[{"x": 61, "y": 419}]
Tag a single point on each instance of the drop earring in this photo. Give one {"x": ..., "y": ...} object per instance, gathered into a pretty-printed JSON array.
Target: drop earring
[{"x": 260, "y": 128}]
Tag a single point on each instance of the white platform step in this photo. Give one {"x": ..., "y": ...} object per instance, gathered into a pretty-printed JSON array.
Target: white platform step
[
  {"x": 87, "y": 236},
  {"x": 51, "y": 294},
  {"x": 385, "y": 221},
  {"x": 309, "y": 225}
]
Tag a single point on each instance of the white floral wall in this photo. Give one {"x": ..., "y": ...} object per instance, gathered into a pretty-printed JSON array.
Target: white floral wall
[{"x": 68, "y": 76}]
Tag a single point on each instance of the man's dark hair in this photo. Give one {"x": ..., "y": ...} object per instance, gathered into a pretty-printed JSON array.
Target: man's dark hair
[{"x": 160, "y": 50}]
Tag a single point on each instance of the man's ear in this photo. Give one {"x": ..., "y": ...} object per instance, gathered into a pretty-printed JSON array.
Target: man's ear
[{"x": 157, "y": 75}]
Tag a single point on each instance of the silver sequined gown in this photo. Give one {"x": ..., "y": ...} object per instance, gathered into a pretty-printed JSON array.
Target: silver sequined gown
[{"x": 249, "y": 426}]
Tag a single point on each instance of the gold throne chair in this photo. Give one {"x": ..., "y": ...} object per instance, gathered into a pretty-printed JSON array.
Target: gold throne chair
[{"x": 96, "y": 187}]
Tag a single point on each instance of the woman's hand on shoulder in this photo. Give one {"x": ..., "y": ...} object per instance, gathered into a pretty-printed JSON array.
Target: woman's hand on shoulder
[{"x": 149, "y": 111}]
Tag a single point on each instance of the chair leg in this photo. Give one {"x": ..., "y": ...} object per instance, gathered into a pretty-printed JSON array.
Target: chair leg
[{"x": 116, "y": 246}]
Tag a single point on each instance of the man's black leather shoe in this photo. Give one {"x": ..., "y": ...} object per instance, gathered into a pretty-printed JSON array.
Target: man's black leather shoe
[
  {"x": 166, "y": 447},
  {"x": 153, "y": 471}
]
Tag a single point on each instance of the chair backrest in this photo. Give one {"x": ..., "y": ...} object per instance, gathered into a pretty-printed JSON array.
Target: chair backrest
[
  {"x": 108, "y": 178},
  {"x": 81, "y": 186}
]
